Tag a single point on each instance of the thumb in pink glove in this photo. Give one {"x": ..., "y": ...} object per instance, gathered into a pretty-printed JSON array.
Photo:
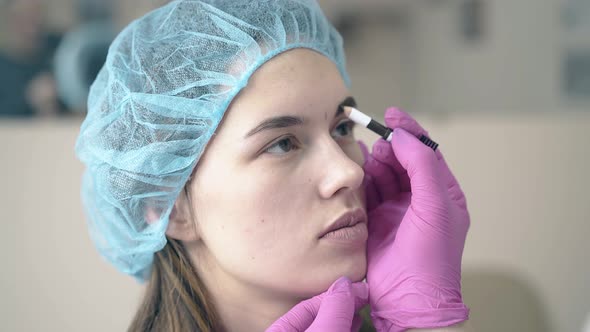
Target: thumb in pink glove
[
  {"x": 334, "y": 310},
  {"x": 418, "y": 222}
]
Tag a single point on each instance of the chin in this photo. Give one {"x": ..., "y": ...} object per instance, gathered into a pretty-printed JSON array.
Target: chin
[
  {"x": 354, "y": 267},
  {"x": 359, "y": 273}
]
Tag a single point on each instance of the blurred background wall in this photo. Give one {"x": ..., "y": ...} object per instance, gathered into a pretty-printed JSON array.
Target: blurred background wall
[{"x": 503, "y": 86}]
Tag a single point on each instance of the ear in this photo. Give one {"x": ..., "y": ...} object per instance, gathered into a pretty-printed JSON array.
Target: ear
[{"x": 181, "y": 224}]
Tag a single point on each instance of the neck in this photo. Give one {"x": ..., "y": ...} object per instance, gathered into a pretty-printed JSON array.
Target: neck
[{"x": 241, "y": 306}]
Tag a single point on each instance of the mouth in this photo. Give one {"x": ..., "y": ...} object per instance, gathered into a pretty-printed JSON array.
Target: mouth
[{"x": 350, "y": 225}]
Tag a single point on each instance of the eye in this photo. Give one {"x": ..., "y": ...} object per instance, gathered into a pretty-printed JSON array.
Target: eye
[
  {"x": 282, "y": 146},
  {"x": 343, "y": 129}
]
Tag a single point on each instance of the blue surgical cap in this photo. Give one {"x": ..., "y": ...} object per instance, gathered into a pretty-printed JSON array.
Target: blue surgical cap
[{"x": 163, "y": 90}]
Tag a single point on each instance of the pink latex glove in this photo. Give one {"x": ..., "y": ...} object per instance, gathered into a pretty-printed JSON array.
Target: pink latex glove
[
  {"x": 418, "y": 221},
  {"x": 334, "y": 310}
]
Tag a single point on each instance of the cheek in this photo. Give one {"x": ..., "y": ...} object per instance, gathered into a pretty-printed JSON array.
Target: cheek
[
  {"x": 252, "y": 222},
  {"x": 247, "y": 213}
]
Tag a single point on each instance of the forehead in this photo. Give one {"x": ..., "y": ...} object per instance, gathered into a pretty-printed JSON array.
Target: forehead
[{"x": 294, "y": 82}]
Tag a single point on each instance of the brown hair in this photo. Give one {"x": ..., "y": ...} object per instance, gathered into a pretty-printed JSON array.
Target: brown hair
[{"x": 176, "y": 298}]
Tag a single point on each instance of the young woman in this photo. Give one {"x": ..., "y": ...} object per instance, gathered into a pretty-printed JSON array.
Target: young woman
[{"x": 222, "y": 171}]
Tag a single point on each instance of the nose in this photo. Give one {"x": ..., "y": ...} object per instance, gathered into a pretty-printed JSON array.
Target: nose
[{"x": 338, "y": 171}]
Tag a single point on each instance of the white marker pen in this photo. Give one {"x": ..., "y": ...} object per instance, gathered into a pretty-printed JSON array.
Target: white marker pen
[{"x": 385, "y": 132}]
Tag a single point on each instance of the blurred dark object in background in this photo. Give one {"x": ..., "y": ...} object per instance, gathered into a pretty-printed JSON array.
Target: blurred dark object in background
[
  {"x": 47, "y": 73},
  {"x": 577, "y": 73},
  {"x": 78, "y": 60},
  {"x": 82, "y": 52},
  {"x": 472, "y": 20},
  {"x": 27, "y": 85}
]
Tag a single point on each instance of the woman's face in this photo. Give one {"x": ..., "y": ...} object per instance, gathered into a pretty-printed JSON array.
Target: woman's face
[{"x": 265, "y": 191}]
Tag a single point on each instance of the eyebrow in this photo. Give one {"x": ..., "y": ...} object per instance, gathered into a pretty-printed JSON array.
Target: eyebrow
[
  {"x": 289, "y": 121},
  {"x": 348, "y": 101}
]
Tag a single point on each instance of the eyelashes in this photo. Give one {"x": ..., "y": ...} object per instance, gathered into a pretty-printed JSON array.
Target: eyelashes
[
  {"x": 282, "y": 146},
  {"x": 286, "y": 144},
  {"x": 344, "y": 128}
]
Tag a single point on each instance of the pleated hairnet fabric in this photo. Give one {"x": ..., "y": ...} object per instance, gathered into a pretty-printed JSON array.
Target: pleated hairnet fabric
[{"x": 161, "y": 94}]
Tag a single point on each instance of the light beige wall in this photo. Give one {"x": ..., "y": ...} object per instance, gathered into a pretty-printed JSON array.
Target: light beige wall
[
  {"x": 527, "y": 249},
  {"x": 515, "y": 67},
  {"x": 525, "y": 174},
  {"x": 52, "y": 277},
  {"x": 526, "y": 254}
]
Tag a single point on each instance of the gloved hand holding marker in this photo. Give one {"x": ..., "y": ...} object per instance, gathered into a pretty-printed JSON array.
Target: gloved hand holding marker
[
  {"x": 417, "y": 224},
  {"x": 385, "y": 132}
]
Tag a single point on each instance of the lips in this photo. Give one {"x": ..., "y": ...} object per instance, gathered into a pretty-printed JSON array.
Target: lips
[{"x": 348, "y": 219}]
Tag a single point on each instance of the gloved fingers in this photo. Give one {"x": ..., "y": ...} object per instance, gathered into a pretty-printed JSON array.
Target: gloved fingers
[
  {"x": 455, "y": 191},
  {"x": 300, "y": 317},
  {"x": 360, "y": 290},
  {"x": 372, "y": 197},
  {"x": 383, "y": 152},
  {"x": 364, "y": 150},
  {"x": 339, "y": 306},
  {"x": 385, "y": 220},
  {"x": 332, "y": 310},
  {"x": 423, "y": 167},
  {"x": 357, "y": 292},
  {"x": 383, "y": 177},
  {"x": 396, "y": 118}
]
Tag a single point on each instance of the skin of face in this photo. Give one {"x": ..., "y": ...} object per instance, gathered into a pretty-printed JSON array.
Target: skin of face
[{"x": 261, "y": 202}]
